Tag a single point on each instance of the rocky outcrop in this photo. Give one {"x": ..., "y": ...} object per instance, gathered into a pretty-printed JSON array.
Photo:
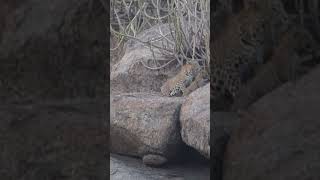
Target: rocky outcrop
[
  {"x": 130, "y": 75},
  {"x": 195, "y": 120},
  {"x": 279, "y": 135},
  {"x": 143, "y": 124}
]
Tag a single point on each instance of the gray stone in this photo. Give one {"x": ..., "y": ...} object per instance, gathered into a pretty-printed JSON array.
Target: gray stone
[
  {"x": 130, "y": 75},
  {"x": 154, "y": 160},
  {"x": 195, "y": 120},
  {"x": 145, "y": 124},
  {"x": 279, "y": 137}
]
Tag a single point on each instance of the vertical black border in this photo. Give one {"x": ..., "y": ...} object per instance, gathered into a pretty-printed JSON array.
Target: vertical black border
[
  {"x": 215, "y": 161},
  {"x": 213, "y": 7},
  {"x": 105, "y": 120},
  {"x": 106, "y": 5}
]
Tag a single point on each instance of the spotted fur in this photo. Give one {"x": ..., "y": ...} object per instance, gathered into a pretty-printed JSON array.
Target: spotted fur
[
  {"x": 183, "y": 83},
  {"x": 179, "y": 84},
  {"x": 292, "y": 58},
  {"x": 245, "y": 43}
]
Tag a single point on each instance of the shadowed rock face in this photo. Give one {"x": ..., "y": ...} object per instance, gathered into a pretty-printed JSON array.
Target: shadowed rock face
[
  {"x": 54, "y": 49},
  {"x": 278, "y": 137},
  {"x": 130, "y": 168}
]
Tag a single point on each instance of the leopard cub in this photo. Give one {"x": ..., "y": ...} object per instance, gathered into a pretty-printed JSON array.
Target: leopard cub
[{"x": 184, "y": 82}]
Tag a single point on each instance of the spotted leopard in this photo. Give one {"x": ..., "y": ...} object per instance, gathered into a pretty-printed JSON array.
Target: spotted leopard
[
  {"x": 295, "y": 55},
  {"x": 245, "y": 43},
  {"x": 183, "y": 83}
]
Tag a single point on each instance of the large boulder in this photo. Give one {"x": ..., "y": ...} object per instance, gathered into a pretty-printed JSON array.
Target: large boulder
[
  {"x": 195, "y": 120},
  {"x": 143, "y": 124},
  {"x": 130, "y": 73},
  {"x": 279, "y": 135}
]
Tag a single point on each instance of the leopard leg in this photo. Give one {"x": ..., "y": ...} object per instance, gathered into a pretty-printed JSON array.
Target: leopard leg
[
  {"x": 183, "y": 90},
  {"x": 173, "y": 92},
  {"x": 176, "y": 90}
]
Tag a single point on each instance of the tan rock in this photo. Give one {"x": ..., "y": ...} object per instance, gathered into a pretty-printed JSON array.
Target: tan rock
[
  {"x": 129, "y": 74},
  {"x": 144, "y": 124}
]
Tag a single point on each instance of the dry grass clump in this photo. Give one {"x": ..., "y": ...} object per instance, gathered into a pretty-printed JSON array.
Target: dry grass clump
[{"x": 188, "y": 20}]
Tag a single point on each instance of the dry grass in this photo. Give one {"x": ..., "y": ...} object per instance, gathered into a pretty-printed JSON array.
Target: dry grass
[{"x": 189, "y": 26}]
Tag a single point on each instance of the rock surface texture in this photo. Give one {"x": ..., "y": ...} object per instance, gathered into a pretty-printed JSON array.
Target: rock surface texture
[
  {"x": 143, "y": 124},
  {"x": 195, "y": 120},
  {"x": 130, "y": 75},
  {"x": 279, "y": 136},
  {"x": 154, "y": 160}
]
